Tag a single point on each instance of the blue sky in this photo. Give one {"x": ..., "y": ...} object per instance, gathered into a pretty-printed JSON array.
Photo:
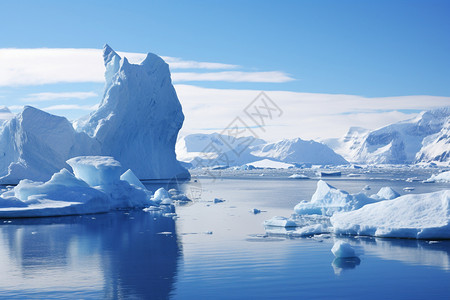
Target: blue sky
[{"x": 363, "y": 48}]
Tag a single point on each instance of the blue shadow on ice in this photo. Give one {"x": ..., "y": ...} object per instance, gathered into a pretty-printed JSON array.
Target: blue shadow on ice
[{"x": 137, "y": 252}]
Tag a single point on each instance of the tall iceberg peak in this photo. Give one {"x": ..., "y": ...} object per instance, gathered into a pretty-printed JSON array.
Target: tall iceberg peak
[
  {"x": 139, "y": 117},
  {"x": 137, "y": 123}
]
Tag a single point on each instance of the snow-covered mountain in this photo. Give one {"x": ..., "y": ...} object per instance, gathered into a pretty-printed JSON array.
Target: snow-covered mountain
[
  {"x": 137, "y": 123},
  {"x": 5, "y": 114},
  {"x": 216, "y": 149},
  {"x": 436, "y": 147},
  {"x": 299, "y": 151},
  {"x": 421, "y": 139}
]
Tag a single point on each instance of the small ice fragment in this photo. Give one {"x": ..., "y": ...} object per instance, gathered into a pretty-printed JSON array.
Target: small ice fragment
[
  {"x": 342, "y": 249},
  {"x": 218, "y": 200},
  {"x": 298, "y": 176},
  {"x": 408, "y": 189},
  {"x": 208, "y": 232},
  {"x": 280, "y": 222},
  {"x": 256, "y": 211},
  {"x": 367, "y": 188}
]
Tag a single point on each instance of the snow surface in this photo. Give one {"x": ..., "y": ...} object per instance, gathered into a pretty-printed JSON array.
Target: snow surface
[
  {"x": 137, "y": 123},
  {"x": 327, "y": 200},
  {"x": 418, "y": 216},
  {"x": 68, "y": 194},
  {"x": 342, "y": 249}
]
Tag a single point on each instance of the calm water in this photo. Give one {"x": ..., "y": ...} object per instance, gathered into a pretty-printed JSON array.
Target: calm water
[{"x": 216, "y": 251}]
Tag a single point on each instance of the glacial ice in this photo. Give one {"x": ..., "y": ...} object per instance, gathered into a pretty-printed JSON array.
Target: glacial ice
[
  {"x": 137, "y": 123},
  {"x": 442, "y": 177},
  {"x": 280, "y": 222},
  {"x": 417, "y": 216},
  {"x": 96, "y": 187},
  {"x": 327, "y": 200},
  {"x": 385, "y": 193},
  {"x": 342, "y": 249}
]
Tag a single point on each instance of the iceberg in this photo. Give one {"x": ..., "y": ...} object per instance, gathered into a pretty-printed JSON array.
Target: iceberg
[
  {"x": 416, "y": 216},
  {"x": 280, "y": 222},
  {"x": 442, "y": 177},
  {"x": 327, "y": 200},
  {"x": 342, "y": 249},
  {"x": 95, "y": 187},
  {"x": 385, "y": 193},
  {"x": 136, "y": 123}
]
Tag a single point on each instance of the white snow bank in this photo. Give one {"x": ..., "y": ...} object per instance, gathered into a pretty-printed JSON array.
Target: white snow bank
[
  {"x": 328, "y": 200},
  {"x": 69, "y": 194},
  {"x": 442, "y": 177},
  {"x": 385, "y": 193},
  {"x": 419, "y": 216},
  {"x": 342, "y": 249}
]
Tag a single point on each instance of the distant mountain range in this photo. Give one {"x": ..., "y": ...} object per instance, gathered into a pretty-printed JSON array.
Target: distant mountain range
[{"x": 423, "y": 139}]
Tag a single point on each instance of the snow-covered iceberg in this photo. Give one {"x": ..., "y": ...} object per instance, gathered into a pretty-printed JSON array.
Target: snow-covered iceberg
[
  {"x": 137, "y": 123},
  {"x": 96, "y": 187},
  {"x": 385, "y": 193},
  {"x": 327, "y": 200},
  {"x": 442, "y": 177},
  {"x": 418, "y": 216}
]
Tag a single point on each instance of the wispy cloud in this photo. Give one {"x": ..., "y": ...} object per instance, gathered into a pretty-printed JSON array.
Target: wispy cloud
[
  {"x": 49, "y": 96},
  {"x": 233, "y": 76},
  {"x": 305, "y": 115},
  {"x": 19, "y": 67},
  {"x": 70, "y": 107}
]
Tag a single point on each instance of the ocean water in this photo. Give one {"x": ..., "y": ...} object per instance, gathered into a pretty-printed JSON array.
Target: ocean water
[{"x": 218, "y": 250}]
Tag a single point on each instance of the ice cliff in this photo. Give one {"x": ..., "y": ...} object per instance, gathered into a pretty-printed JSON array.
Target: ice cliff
[{"x": 137, "y": 123}]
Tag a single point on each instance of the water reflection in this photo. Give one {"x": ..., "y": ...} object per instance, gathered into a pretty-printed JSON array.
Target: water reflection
[
  {"x": 344, "y": 263},
  {"x": 134, "y": 254},
  {"x": 412, "y": 252}
]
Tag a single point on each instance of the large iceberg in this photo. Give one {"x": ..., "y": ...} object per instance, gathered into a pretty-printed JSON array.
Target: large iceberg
[
  {"x": 442, "y": 177},
  {"x": 137, "y": 123},
  {"x": 327, "y": 200},
  {"x": 418, "y": 216},
  {"x": 96, "y": 187}
]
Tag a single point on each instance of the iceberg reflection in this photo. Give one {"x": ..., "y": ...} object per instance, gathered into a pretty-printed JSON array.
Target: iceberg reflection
[{"x": 122, "y": 254}]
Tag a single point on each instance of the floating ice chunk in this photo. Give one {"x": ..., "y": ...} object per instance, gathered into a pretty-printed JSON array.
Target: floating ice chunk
[
  {"x": 160, "y": 195},
  {"x": 280, "y": 222},
  {"x": 418, "y": 216},
  {"x": 218, "y": 200},
  {"x": 129, "y": 177},
  {"x": 256, "y": 211},
  {"x": 367, "y": 188},
  {"x": 385, "y": 193},
  {"x": 409, "y": 189},
  {"x": 442, "y": 177},
  {"x": 342, "y": 249},
  {"x": 298, "y": 176},
  {"x": 96, "y": 170},
  {"x": 327, "y": 200}
]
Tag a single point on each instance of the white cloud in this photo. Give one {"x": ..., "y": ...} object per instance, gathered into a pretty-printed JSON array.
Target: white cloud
[
  {"x": 305, "y": 115},
  {"x": 70, "y": 107},
  {"x": 39, "y": 66},
  {"x": 49, "y": 96},
  {"x": 233, "y": 76}
]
